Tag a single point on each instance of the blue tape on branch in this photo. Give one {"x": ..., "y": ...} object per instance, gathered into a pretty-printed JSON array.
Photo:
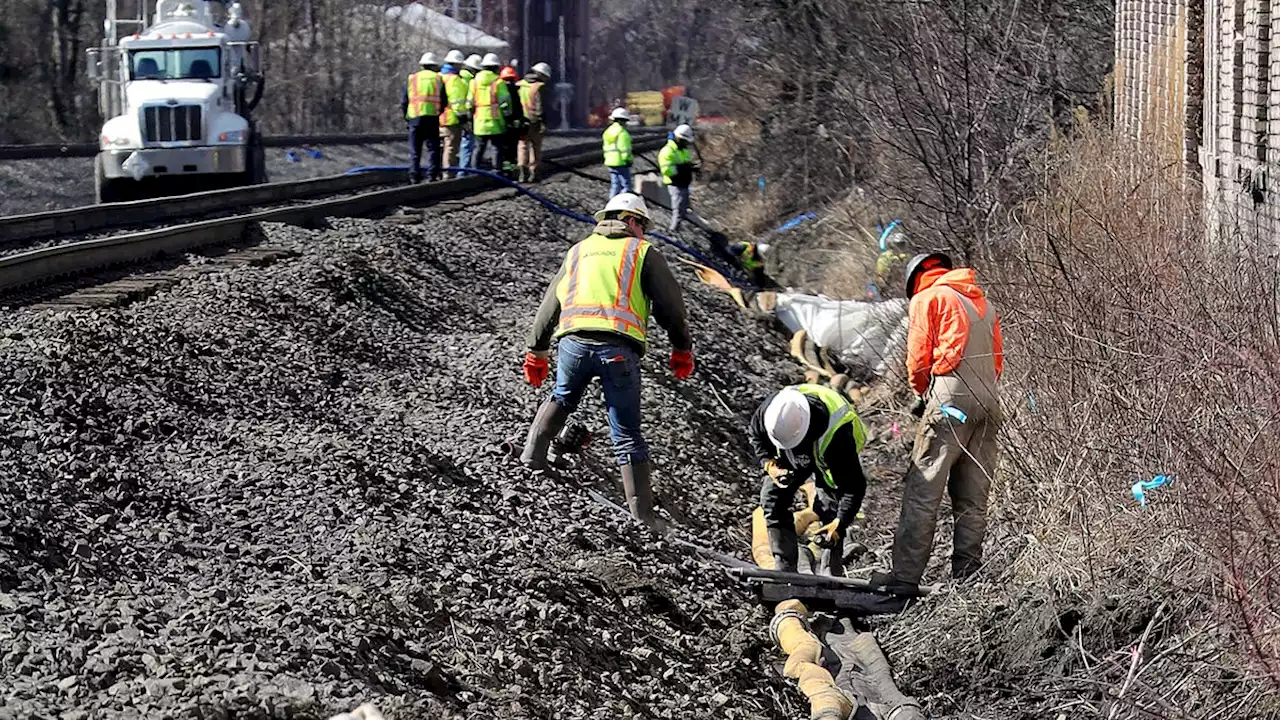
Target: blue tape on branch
[
  {"x": 795, "y": 222},
  {"x": 560, "y": 210}
]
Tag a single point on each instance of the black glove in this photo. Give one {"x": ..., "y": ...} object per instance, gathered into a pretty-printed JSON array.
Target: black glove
[{"x": 917, "y": 408}]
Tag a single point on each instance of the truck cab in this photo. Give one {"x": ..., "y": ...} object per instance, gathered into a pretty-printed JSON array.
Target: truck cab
[{"x": 178, "y": 94}]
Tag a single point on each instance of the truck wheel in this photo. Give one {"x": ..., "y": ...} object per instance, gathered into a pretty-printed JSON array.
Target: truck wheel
[
  {"x": 105, "y": 190},
  {"x": 256, "y": 173}
]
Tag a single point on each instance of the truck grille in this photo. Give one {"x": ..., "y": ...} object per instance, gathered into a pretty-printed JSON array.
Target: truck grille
[{"x": 171, "y": 123}]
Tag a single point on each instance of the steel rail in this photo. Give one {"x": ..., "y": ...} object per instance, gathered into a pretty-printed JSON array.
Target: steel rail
[
  {"x": 44, "y": 151},
  {"x": 44, "y": 264}
]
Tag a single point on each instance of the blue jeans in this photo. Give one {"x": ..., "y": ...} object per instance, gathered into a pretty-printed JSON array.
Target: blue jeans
[
  {"x": 618, "y": 367},
  {"x": 467, "y": 155},
  {"x": 619, "y": 180}
]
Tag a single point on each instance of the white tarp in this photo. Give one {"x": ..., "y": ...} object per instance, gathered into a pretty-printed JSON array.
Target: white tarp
[
  {"x": 443, "y": 32},
  {"x": 871, "y": 335}
]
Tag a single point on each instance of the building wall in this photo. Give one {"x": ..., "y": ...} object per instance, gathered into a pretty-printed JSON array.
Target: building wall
[{"x": 1151, "y": 74}]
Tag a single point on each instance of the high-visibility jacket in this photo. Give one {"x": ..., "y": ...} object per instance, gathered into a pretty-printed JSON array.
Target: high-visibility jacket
[
  {"x": 840, "y": 413},
  {"x": 426, "y": 92},
  {"x": 617, "y": 145},
  {"x": 955, "y": 352},
  {"x": 674, "y": 162},
  {"x": 531, "y": 98},
  {"x": 490, "y": 101},
  {"x": 750, "y": 258},
  {"x": 600, "y": 290},
  {"x": 455, "y": 90}
]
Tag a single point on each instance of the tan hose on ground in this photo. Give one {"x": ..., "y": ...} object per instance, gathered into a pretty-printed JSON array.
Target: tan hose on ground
[{"x": 804, "y": 662}]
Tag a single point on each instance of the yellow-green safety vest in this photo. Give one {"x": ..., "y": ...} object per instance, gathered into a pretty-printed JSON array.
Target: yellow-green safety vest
[
  {"x": 601, "y": 291},
  {"x": 455, "y": 90},
  {"x": 670, "y": 157},
  {"x": 531, "y": 98},
  {"x": 425, "y": 91},
  {"x": 841, "y": 413},
  {"x": 617, "y": 145},
  {"x": 489, "y": 101},
  {"x": 750, "y": 260}
]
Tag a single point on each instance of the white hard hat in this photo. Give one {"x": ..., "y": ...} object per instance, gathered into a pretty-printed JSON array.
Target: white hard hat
[
  {"x": 429, "y": 58},
  {"x": 543, "y": 69},
  {"x": 684, "y": 132},
  {"x": 762, "y": 248},
  {"x": 491, "y": 60},
  {"x": 473, "y": 62},
  {"x": 620, "y": 114},
  {"x": 625, "y": 202},
  {"x": 787, "y": 418},
  {"x": 455, "y": 57}
]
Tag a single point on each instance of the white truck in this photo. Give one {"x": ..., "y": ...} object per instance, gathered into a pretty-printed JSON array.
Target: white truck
[{"x": 177, "y": 88}]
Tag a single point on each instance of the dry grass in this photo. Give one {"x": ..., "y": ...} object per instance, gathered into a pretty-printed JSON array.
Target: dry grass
[{"x": 1134, "y": 348}]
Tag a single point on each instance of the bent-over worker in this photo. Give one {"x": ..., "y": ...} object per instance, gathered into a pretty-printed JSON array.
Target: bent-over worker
[
  {"x": 807, "y": 431},
  {"x": 598, "y": 305},
  {"x": 955, "y": 355},
  {"x": 751, "y": 257}
]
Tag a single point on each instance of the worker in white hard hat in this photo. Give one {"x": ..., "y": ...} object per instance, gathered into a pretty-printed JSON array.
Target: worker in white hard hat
[
  {"x": 422, "y": 103},
  {"x": 751, "y": 256},
  {"x": 490, "y": 108},
  {"x": 598, "y": 305},
  {"x": 617, "y": 151},
  {"x": 470, "y": 68},
  {"x": 457, "y": 112},
  {"x": 800, "y": 432},
  {"x": 529, "y": 155},
  {"x": 675, "y": 161}
]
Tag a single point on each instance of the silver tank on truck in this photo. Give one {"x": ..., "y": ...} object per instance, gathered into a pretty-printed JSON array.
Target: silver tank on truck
[{"x": 177, "y": 86}]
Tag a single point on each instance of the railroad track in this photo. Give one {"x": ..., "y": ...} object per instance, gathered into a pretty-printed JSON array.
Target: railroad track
[
  {"x": 43, "y": 265},
  {"x": 43, "y": 151}
]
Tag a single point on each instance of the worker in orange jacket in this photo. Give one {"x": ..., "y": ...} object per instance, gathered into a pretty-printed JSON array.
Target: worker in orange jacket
[{"x": 954, "y": 357}]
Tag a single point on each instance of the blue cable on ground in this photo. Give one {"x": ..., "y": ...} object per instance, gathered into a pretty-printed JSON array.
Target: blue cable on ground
[{"x": 561, "y": 210}]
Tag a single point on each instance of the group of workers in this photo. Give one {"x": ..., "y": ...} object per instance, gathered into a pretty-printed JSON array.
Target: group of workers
[
  {"x": 465, "y": 108},
  {"x": 598, "y": 308},
  {"x": 675, "y": 163}
]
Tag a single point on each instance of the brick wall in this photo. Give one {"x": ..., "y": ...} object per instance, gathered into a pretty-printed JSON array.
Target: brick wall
[{"x": 1151, "y": 75}]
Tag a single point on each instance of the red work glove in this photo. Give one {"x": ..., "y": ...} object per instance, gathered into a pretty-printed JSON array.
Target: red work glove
[
  {"x": 536, "y": 368},
  {"x": 682, "y": 363}
]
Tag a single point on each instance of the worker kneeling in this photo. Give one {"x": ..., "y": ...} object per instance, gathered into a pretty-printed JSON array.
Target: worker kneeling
[
  {"x": 599, "y": 305},
  {"x": 803, "y": 431}
]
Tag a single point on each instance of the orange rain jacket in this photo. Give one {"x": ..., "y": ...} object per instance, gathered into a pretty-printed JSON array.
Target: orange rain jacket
[{"x": 939, "y": 326}]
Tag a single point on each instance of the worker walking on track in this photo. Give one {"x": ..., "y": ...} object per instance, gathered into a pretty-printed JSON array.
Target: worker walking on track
[
  {"x": 456, "y": 112},
  {"x": 599, "y": 305},
  {"x": 617, "y": 151},
  {"x": 955, "y": 355},
  {"x": 516, "y": 121},
  {"x": 470, "y": 68},
  {"x": 807, "y": 431},
  {"x": 490, "y": 105},
  {"x": 529, "y": 156},
  {"x": 675, "y": 161},
  {"x": 422, "y": 104}
]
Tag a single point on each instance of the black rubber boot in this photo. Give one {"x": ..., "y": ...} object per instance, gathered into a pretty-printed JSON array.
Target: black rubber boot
[
  {"x": 546, "y": 425},
  {"x": 639, "y": 490},
  {"x": 831, "y": 562},
  {"x": 785, "y": 548}
]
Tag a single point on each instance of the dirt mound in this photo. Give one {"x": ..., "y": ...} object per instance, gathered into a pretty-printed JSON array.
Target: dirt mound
[{"x": 280, "y": 490}]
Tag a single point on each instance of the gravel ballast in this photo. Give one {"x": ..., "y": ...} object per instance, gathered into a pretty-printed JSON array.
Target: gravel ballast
[{"x": 281, "y": 491}]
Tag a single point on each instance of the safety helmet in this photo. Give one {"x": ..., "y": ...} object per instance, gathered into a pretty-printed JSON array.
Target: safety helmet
[
  {"x": 683, "y": 132},
  {"x": 762, "y": 248},
  {"x": 455, "y": 57},
  {"x": 508, "y": 73},
  {"x": 923, "y": 262},
  {"x": 473, "y": 62},
  {"x": 543, "y": 69},
  {"x": 491, "y": 61},
  {"x": 626, "y": 203},
  {"x": 620, "y": 114},
  {"x": 429, "y": 59},
  {"x": 786, "y": 420}
]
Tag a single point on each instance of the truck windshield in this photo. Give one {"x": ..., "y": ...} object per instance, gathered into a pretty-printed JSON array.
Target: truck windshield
[{"x": 175, "y": 64}]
